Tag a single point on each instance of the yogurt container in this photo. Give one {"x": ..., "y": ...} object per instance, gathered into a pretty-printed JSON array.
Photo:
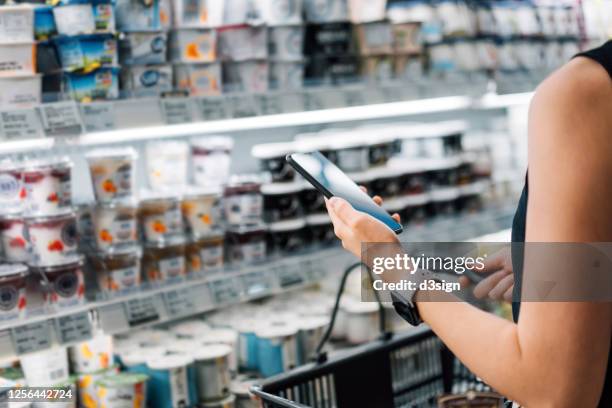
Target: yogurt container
[
  {"x": 86, "y": 52},
  {"x": 191, "y": 329},
  {"x": 211, "y": 158},
  {"x": 228, "y": 402},
  {"x": 193, "y": 45},
  {"x": 124, "y": 390},
  {"x": 247, "y": 345},
  {"x": 374, "y": 38},
  {"x": 74, "y": 18},
  {"x": 243, "y": 201},
  {"x": 86, "y": 384},
  {"x": 242, "y": 43},
  {"x": 246, "y": 245},
  {"x": 117, "y": 271},
  {"x": 135, "y": 360},
  {"x": 320, "y": 230},
  {"x": 228, "y": 337},
  {"x": 365, "y": 11},
  {"x": 53, "y": 238},
  {"x": 171, "y": 381},
  {"x": 160, "y": 216},
  {"x": 15, "y": 244},
  {"x": 199, "y": 13},
  {"x": 182, "y": 346},
  {"x": 202, "y": 210},
  {"x": 442, "y": 172},
  {"x": 311, "y": 200},
  {"x": 240, "y": 389},
  {"x": 281, "y": 12},
  {"x": 112, "y": 173},
  {"x": 20, "y": 92},
  {"x": 44, "y": 23},
  {"x": 16, "y": 23},
  {"x": 167, "y": 164},
  {"x": 164, "y": 260},
  {"x": 352, "y": 153},
  {"x": 99, "y": 85},
  {"x": 136, "y": 15},
  {"x": 45, "y": 368},
  {"x": 93, "y": 355},
  {"x": 281, "y": 201},
  {"x": 47, "y": 186},
  {"x": 17, "y": 59},
  {"x": 287, "y": 237},
  {"x": 143, "y": 48},
  {"x": 272, "y": 159},
  {"x": 212, "y": 372},
  {"x": 277, "y": 349},
  {"x": 311, "y": 331},
  {"x": 246, "y": 76},
  {"x": 149, "y": 80},
  {"x": 115, "y": 224},
  {"x": 326, "y": 11},
  {"x": 361, "y": 321},
  {"x": 199, "y": 79},
  {"x": 387, "y": 182},
  {"x": 66, "y": 288},
  {"x": 443, "y": 201},
  {"x": 13, "y": 300},
  {"x": 205, "y": 254},
  {"x": 328, "y": 39},
  {"x": 286, "y": 43},
  {"x": 287, "y": 75}
]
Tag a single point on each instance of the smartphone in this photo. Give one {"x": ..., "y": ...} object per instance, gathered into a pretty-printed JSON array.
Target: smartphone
[{"x": 326, "y": 177}]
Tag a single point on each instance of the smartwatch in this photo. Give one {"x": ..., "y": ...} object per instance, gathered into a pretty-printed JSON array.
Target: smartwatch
[{"x": 404, "y": 303}]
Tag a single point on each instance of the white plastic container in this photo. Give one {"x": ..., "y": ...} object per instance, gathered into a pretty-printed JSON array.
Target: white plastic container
[
  {"x": 13, "y": 301},
  {"x": 211, "y": 158},
  {"x": 361, "y": 321},
  {"x": 366, "y": 11},
  {"x": 112, "y": 173},
  {"x": 12, "y": 193},
  {"x": 148, "y": 80},
  {"x": 53, "y": 238},
  {"x": 246, "y": 76},
  {"x": 287, "y": 76},
  {"x": 16, "y": 23},
  {"x": 228, "y": 337},
  {"x": 93, "y": 355},
  {"x": 326, "y": 11},
  {"x": 124, "y": 390},
  {"x": 281, "y": 12},
  {"x": 199, "y": 79},
  {"x": 15, "y": 245},
  {"x": 191, "y": 329},
  {"x": 198, "y": 13},
  {"x": 47, "y": 185},
  {"x": 17, "y": 59},
  {"x": 66, "y": 284},
  {"x": 212, "y": 372},
  {"x": 169, "y": 377},
  {"x": 202, "y": 211},
  {"x": 272, "y": 160},
  {"x": 74, "y": 19},
  {"x": 310, "y": 333},
  {"x": 20, "y": 92},
  {"x": 167, "y": 165},
  {"x": 286, "y": 43},
  {"x": 243, "y": 43},
  {"x": 45, "y": 368},
  {"x": 352, "y": 152},
  {"x": 160, "y": 216},
  {"x": 193, "y": 45},
  {"x": 115, "y": 224}
]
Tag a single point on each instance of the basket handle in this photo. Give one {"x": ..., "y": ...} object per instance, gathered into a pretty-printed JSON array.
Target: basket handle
[{"x": 275, "y": 399}]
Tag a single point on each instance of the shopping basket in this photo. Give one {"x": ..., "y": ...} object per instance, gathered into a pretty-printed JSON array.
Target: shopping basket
[{"x": 411, "y": 369}]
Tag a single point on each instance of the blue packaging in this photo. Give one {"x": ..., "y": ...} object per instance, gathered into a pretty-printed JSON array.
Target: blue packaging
[
  {"x": 277, "y": 349},
  {"x": 99, "y": 85},
  {"x": 137, "y": 15},
  {"x": 248, "y": 349},
  {"x": 86, "y": 52},
  {"x": 44, "y": 23},
  {"x": 171, "y": 382}
]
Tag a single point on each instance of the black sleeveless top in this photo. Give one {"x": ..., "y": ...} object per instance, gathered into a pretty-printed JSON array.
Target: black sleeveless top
[{"x": 602, "y": 55}]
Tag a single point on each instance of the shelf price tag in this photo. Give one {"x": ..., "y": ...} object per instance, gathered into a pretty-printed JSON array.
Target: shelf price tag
[
  {"x": 256, "y": 283},
  {"x": 20, "y": 124},
  {"x": 212, "y": 108},
  {"x": 73, "y": 328},
  {"x": 312, "y": 101},
  {"x": 179, "y": 302},
  {"x": 142, "y": 310},
  {"x": 354, "y": 97},
  {"x": 61, "y": 119},
  {"x": 241, "y": 106},
  {"x": 177, "y": 110},
  {"x": 32, "y": 337},
  {"x": 98, "y": 116},
  {"x": 391, "y": 93},
  {"x": 225, "y": 291},
  {"x": 270, "y": 104},
  {"x": 291, "y": 274}
]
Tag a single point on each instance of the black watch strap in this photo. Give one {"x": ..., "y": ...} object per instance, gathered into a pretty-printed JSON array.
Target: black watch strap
[{"x": 407, "y": 310}]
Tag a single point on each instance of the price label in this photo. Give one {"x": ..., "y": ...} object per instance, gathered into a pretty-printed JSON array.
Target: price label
[
  {"x": 20, "y": 124},
  {"x": 312, "y": 101},
  {"x": 225, "y": 291},
  {"x": 291, "y": 274},
  {"x": 212, "y": 108},
  {"x": 73, "y": 328},
  {"x": 391, "y": 93},
  {"x": 142, "y": 310},
  {"x": 179, "y": 302},
  {"x": 202, "y": 298},
  {"x": 270, "y": 104},
  {"x": 256, "y": 283},
  {"x": 292, "y": 102},
  {"x": 353, "y": 97},
  {"x": 241, "y": 106},
  {"x": 61, "y": 119},
  {"x": 98, "y": 116},
  {"x": 177, "y": 110},
  {"x": 32, "y": 337}
]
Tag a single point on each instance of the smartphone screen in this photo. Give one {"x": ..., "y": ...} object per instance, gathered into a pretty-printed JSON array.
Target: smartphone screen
[{"x": 331, "y": 181}]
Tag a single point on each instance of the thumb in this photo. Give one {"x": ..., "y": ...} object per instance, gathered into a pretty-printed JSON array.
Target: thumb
[{"x": 343, "y": 210}]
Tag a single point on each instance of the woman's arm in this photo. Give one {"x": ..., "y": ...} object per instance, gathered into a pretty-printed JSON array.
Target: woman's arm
[{"x": 557, "y": 353}]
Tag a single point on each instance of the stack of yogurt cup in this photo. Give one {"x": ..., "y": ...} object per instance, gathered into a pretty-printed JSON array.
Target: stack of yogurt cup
[{"x": 113, "y": 252}]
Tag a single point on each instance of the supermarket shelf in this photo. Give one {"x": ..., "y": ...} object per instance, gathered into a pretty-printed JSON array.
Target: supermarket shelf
[{"x": 201, "y": 294}]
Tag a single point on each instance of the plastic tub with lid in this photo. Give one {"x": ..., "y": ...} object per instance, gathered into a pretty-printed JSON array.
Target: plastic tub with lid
[
  {"x": 167, "y": 165},
  {"x": 285, "y": 43},
  {"x": 147, "y": 48},
  {"x": 352, "y": 152},
  {"x": 160, "y": 216},
  {"x": 320, "y": 230},
  {"x": 229, "y": 337},
  {"x": 281, "y": 201},
  {"x": 250, "y": 76},
  {"x": 92, "y": 355},
  {"x": 386, "y": 182},
  {"x": 199, "y": 13},
  {"x": 200, "y": 79},
  {"x": 326, "y": 11},
  {"x": 272, "y": 158},
  {"x": 240, "y": 388},
  {"x": 136, "y": 15},
  {"x": 281, "y": 12},
  {"x": 212, "y": 372},
  {"x": 287, "y": 236},
  {"x": 164, "y": 260},
  {"x": 149, "y": 80},
  {"x": 443, "y": 201},
  {"x": 112, "y": 172},
  {"x": 443, "y": 172},
  {"x": 66, "y": 284},
  {"x": 13, "y": 291},
  {"x": 310, "y": 333},
  {"x": 246, "y": 245},
  {"x": 277, "y": 349},
  {"x": 123, "y": 389},
  {"x": 100, "y": 84},
  {"x": 361, "y": 321},
  {"x": 45, "y": 368},
  {"x": 193, "y": 45},
  {"x": 205, "y": 254},
  {"x": 13, "y": 236},
  {"x": 115, "y": 224},
  {"x": 192, "y": 329},
  {"x": 171, "y": 383},
  {"x": 118, "y": 271},
  {"x": 202, "y": 211},
  {"x": 86, "y": 52},
  {"x": 47, "y": 186},
  {"x": 211, "y": 158},
  {"x": 53, "y": 238},
  {"x": 243, "y": 201},
  {"x": 243, "y": 43}
]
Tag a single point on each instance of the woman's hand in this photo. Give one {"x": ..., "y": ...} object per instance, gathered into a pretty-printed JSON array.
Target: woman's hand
[
  {"x": 354, "y": 227},
  {"x": 498, "y": 285}
]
